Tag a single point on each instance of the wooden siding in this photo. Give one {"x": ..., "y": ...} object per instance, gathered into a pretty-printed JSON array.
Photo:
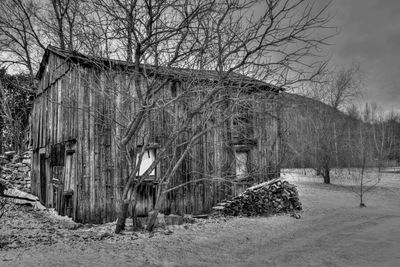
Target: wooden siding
[{"x": 77, "y": 106}]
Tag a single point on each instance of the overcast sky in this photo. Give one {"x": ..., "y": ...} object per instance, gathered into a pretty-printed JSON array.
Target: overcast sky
[{"x": 369, "y": 33}]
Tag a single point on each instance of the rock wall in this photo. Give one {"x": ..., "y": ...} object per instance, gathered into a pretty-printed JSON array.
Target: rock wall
[{"x": 15, "y": 170}]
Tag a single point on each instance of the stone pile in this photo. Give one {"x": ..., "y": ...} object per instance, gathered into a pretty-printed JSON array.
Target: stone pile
[
  {"x": 272, "y": 197},
  {"x": 15, "y": 170}
]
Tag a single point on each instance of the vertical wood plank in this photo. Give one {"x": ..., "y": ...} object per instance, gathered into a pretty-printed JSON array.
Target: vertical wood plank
[{"x": 79, "y": 146}]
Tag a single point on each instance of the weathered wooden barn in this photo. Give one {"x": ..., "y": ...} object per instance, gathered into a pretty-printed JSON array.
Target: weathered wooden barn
[{"x": 77, "y": 167}]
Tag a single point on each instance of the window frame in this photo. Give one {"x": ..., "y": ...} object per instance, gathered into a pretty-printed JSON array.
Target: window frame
[{"x": 153, "y": 173}]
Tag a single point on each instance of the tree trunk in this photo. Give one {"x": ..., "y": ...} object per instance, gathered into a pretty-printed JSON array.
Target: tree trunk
[
  {"x": 57, "y": 8},
  {"x": 128, "y": 197},
  {"x": 362, "y": 205},
  {"x": 380, "y": 164},
  {"x": 318, "y": 171},
  {"x": 153, "y": 217},
  {"x": 136, "y": 224},
  {"x": 122, "y": 217},
  {"x": 326, "y": 175},
  {"x": 152, "y": 220}
]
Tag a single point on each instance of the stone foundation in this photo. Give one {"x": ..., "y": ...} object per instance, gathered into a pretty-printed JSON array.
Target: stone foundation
[{"x": 15, "y": 170}]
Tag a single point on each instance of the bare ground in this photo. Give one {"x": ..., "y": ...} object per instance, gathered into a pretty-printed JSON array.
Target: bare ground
[{"x": 333, "y": 231}]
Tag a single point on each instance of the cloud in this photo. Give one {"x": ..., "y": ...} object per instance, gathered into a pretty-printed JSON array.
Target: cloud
[{"x": 370, "y": 35}]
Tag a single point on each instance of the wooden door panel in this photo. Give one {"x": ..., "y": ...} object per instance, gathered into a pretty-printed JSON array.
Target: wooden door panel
[
  {"x": 43, "y": 179},
  {"x": 58, "y": 186}
]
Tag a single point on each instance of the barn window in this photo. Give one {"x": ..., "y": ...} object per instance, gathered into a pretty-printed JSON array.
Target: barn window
[
  {"x": 147, "y": 160},
  {"x": 241, "y": 158},
  {"x": 242, "y": 126}
]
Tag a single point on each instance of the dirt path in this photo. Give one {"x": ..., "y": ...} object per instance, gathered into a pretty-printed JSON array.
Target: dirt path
[{"x": 333, "y": 231}]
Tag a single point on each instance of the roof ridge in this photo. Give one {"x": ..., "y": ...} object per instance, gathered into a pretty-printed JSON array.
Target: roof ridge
[{"x": 178, "y": 72}]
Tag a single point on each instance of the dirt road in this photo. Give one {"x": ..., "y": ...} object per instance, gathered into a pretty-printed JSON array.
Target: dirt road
[{"x": 333, "y": 231}]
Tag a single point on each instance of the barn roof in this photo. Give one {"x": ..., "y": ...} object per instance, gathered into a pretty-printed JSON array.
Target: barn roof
[{"x": 173, "y": 72}]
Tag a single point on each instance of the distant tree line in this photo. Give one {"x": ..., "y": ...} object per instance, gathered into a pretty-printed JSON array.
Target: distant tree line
[{"x": 322, "y": 137}]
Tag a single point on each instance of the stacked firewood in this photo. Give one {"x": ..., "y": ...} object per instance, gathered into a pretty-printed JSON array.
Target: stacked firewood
[{"x": 275, "y": 196}]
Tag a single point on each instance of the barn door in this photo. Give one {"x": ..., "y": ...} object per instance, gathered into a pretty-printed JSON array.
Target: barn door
[
  {"x": 69, "y": 183},
  {"x": 43, "y": 179},
  {"x": 69, "y": 180},
  {"x": 58, "y": 181}
]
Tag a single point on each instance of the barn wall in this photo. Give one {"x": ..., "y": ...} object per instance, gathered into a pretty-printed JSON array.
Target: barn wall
[
  {"x": 80, "y": 107},
  {"x": 214, "y": 157},
  {"x": 53, "y": 123}
]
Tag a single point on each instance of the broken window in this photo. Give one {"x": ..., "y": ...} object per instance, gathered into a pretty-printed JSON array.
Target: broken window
[
  {"x": 241, "y": 158},
  {"x": 147, "y": 160}
]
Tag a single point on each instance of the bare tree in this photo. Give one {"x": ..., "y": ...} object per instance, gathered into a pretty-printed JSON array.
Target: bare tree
[
  {"x": 353, "y": 112},
  {"x": 337, "y": 88},
  {"x": 315, "y": 134},
  {"x": 324, "y": 132},
  {"x": 20, "y": 39},
  {"x": 363, "y": 160},
  {"x": 15, "y": 100},
  {"x": 394, "y": 123},
  {"x": 225, "y": 37},
  {"x": 345, "y": 86},
  {"x": 94, "y": 32},
  {"x": 28, "y": 26},
  {"x": 382, "y": 132},
  {"x": 61, "y": 20},
  {"x": 273, "y": 45}
]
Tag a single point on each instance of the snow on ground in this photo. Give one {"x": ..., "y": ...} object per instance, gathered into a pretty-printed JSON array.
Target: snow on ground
[{"x": 333, "y": 231}]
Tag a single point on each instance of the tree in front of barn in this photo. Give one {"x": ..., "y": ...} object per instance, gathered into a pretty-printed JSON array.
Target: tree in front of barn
[
  {"x": 268, "y": 40},
  {"x": 224, "y": 37}
]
